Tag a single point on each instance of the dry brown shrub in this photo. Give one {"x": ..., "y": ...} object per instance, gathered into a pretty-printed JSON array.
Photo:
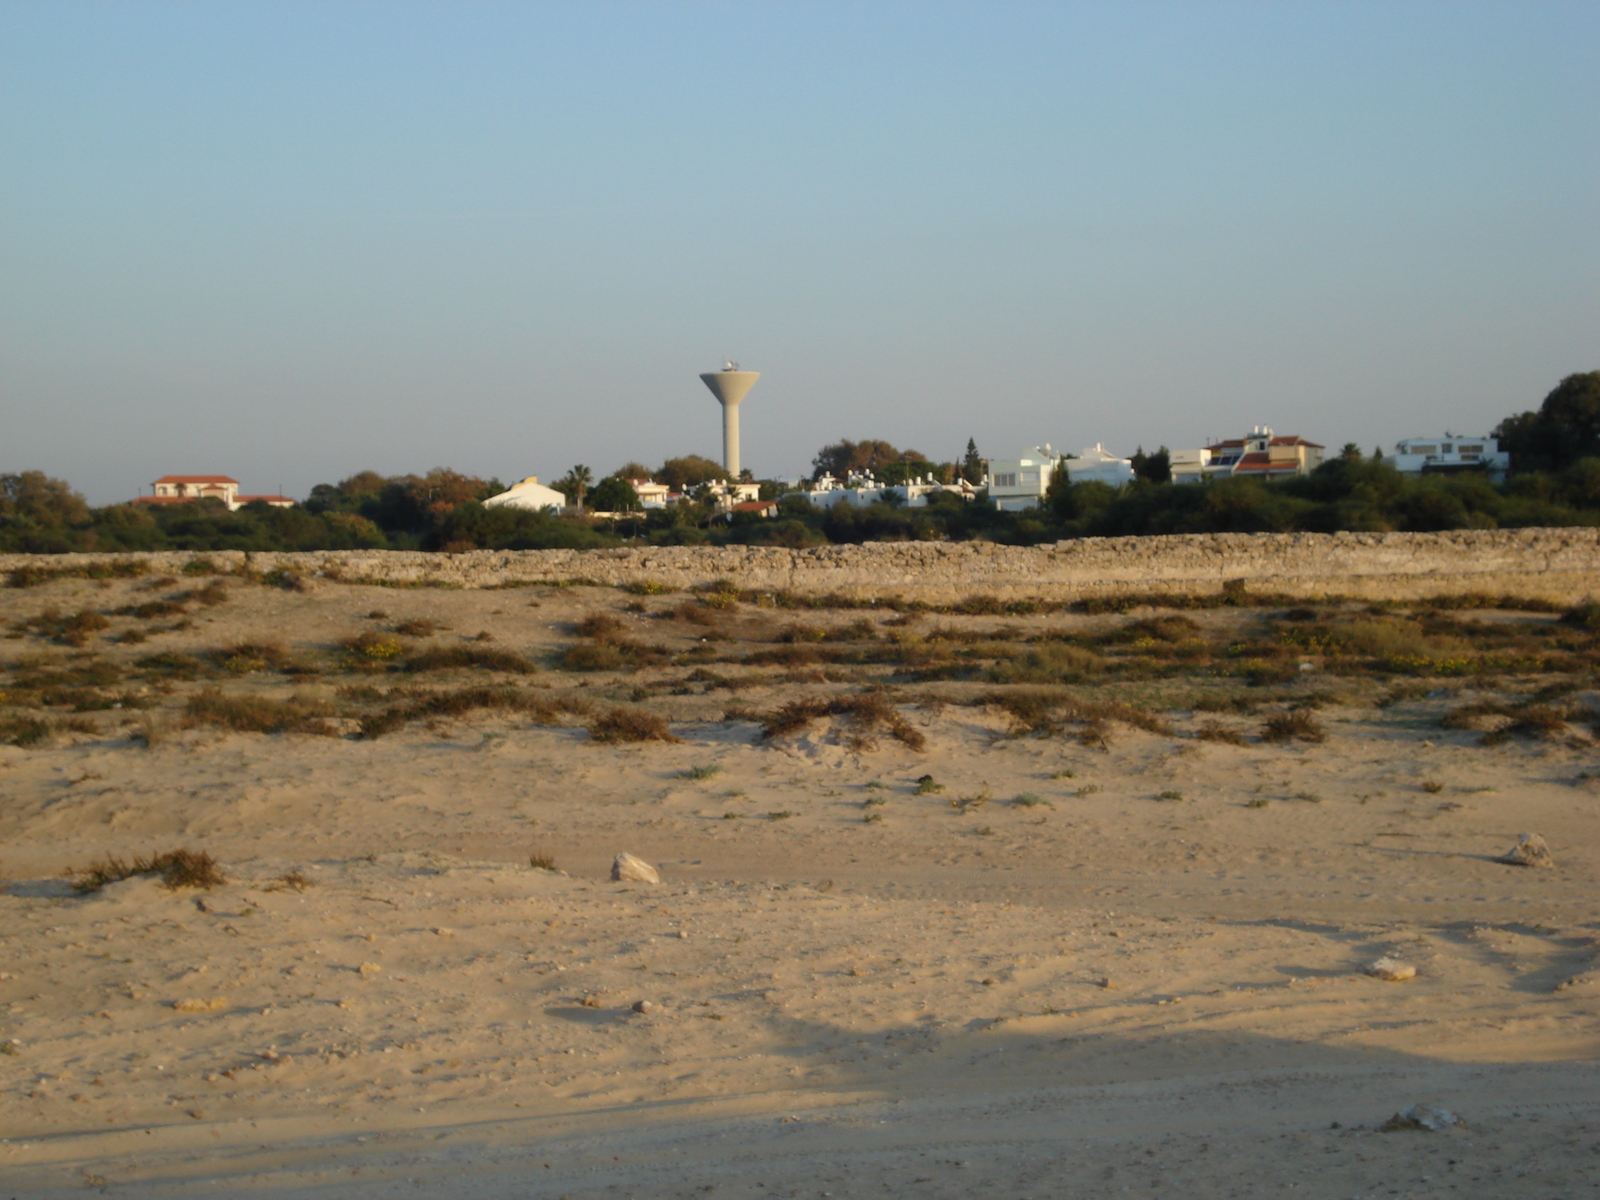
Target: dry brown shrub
[
  {"x": 798, "y": 631},
  {"x": 417, "y": 627},
  {"x": 541, "y": 708},
  {"x": 866, "y": 713},
  {"x": 1049, "y": 664},
  {"x": 445, "y": 658},
  {"x": 1045, "y": 711},
  {"x": 630, "y": 725},
  {"x": 242, "y": 658},
  {"x": 601, "y": 626},
  {"x": 258, "y": 714},
  {"x": 1294, "y": 724},
  {"x": 177, "y": 868},
  {"x": 1215, "y": 731}
]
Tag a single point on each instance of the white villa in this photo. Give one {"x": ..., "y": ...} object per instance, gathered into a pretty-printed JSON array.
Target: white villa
[
  {"x": 1016, "y": 484},
  {"x": 184, "y": 489},
  {"x": 1450, "y": 453},
  {"x": 529, "y": 494},
  {"x": 1096, "y": 464}
]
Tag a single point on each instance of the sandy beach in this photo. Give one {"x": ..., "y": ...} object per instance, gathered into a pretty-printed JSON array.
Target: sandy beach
[{"x": 938, "y": 952}]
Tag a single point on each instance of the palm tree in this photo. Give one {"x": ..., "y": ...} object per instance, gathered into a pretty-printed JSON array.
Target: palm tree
[{"x": 582, "y": 477}]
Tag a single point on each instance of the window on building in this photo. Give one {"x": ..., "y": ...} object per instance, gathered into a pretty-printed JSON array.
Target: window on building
[{"x": 1006, "y": 479}]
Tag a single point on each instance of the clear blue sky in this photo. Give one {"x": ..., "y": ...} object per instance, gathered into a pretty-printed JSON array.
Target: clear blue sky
[{"x": 290, "y": 241}]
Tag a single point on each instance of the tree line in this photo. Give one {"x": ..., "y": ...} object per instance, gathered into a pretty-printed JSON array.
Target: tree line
[{"x": 1555, "y": 480}]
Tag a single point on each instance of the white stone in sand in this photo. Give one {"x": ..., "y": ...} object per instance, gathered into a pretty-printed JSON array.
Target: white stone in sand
[
  {"x": 1391, "y": 969},
  {"x": 1530, "y": 851},
  {"x": 626, "y": 868}
]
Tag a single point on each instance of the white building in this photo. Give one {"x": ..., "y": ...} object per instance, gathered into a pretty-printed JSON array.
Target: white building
[
  {"x": 529, "y": 494},
  {"x": 1096, "y": 464},
  {"x": 1017, "y": 484},
  {"x": 862, "y": 490},
  {"x": 652, "y": 494},
  {"x": 181, "y": 489},
  {"x": 1450, "y": 453}
]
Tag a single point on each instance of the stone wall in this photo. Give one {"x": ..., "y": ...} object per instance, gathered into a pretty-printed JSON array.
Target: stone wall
[{"x": 1554, "y": 564}]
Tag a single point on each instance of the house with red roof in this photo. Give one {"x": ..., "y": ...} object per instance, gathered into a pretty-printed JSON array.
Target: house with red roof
[
  {"x": 1261, "y": 455},
  {"x": 185, "y": 489}
]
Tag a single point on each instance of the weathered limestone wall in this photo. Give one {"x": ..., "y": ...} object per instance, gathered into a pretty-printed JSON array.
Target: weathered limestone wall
[{"x": 1555, "y": 564}]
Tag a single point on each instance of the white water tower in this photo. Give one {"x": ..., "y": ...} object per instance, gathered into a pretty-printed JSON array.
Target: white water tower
[{"x": 730, "y": 385}]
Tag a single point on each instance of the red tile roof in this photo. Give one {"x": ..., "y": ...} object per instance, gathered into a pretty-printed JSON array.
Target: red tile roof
[{"x": 197, "y": 479}]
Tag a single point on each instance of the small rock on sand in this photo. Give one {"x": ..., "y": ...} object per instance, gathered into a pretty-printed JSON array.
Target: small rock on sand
[
  {"x": 644, "y": 1006},
  {"x": 626, "y": 868},
  {"x": 1391, "y": 969},
  {"x": 1420, "y": 1116},
  {"x": 1530, "y": 851}
]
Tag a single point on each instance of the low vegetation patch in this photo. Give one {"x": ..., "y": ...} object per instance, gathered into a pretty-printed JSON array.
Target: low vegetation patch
[
  {"x": 1040, "y": 711},
  {"x": 1215, "y": 731},
  {"x": 541, "y": 708},
  {"x": 34, "y": 575},
  {"x": 74, "y": 629},
  {"x": 1050, "y": 664},
  {"x": 373, "y": 647},
  {"x": 630, "y": 725},
  {"x": 245, "y": 658},
  {"x": 866, "y": 713},
  {"x": 483, "y": 658},
  {"x": 175, "y": 868},
  {"x": 259, "y": 714},
  {"x": 1296, "y": 724}
]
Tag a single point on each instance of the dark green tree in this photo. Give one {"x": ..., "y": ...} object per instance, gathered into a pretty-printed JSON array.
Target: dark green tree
[
  {"x": 1564, "y": 429},
  {"x": 972, "y": 464},
  {"x": 691, "y": 470},
  {"x": 1153, "y": 468},
  {"x": 612, "y": 494}
]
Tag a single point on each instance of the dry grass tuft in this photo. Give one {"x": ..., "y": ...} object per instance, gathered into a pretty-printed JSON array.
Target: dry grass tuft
[
  {"x": 244, "y": 658},
  {"x": 601, "y": 626},
  {"x": 866, "y": 712},
  {"x": 542, "y": 709},
  {"x": 445, "y": 658},
  {"x": 176, "y": 868},
  {"x": 1050, "y": 664},
  {"x": 1041, "y": 711},
  {"x": 630, "y": 725},
  {"x": 541, "y": 861},
  {"x": 1294, "y": 724},
  {"x": 258, "y": 714},
  {"x": 1215, "y": 731}
]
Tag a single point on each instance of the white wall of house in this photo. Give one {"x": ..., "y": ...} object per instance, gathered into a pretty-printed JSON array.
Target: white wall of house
[
  {"x": 1097, "y": 464},
  {"x": 1018, "y": 484},
  {"x": 1450, "y": 453}
]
